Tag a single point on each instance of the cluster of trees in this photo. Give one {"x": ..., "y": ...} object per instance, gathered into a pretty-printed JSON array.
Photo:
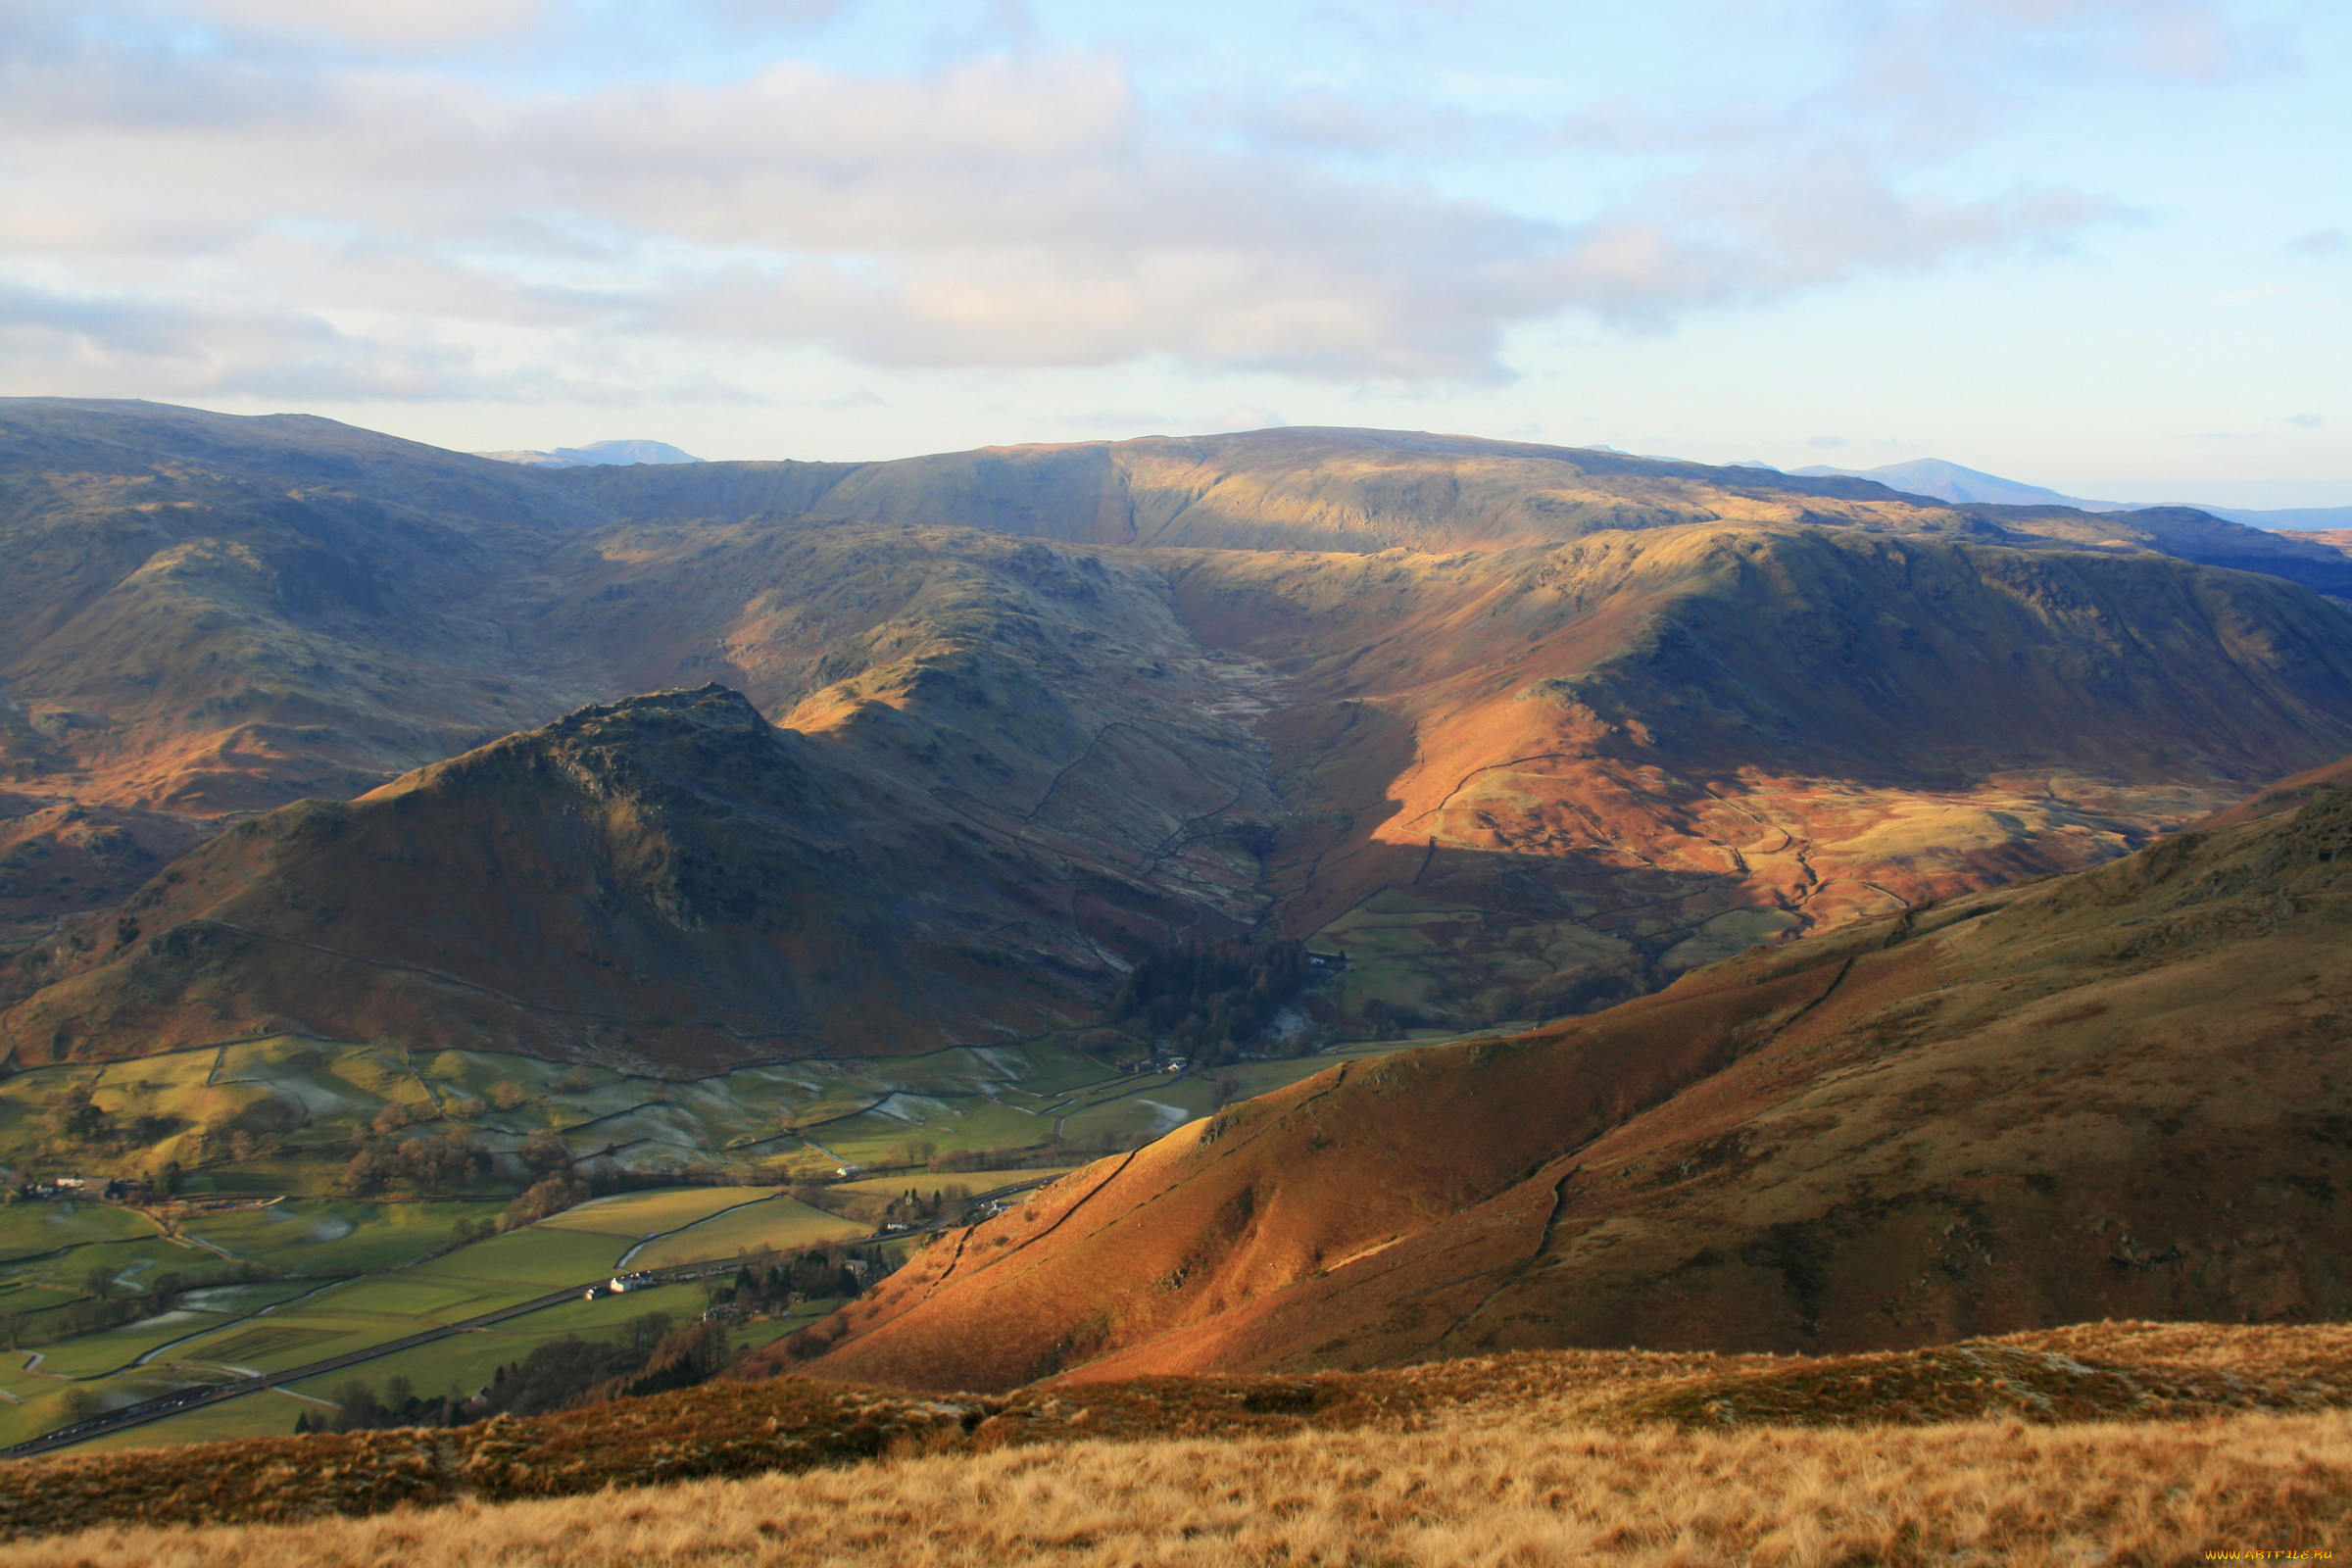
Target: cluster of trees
[
  {"x": 78, "y": 1120},
  {"x": 910, "y": 1207},
  {"x": 653, "y": 1354},
  {"x": 819, "y": 1274},
  {"x": 394, "y": 1164},
  {"x": 386, "y": 1159},
  {"x": 1206, "y": 1001}
]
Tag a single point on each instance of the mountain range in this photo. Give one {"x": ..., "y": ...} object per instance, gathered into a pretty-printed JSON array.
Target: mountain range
[
  {"x": 1515, "y": 731},
  {"x": 1949, "y": 481}
]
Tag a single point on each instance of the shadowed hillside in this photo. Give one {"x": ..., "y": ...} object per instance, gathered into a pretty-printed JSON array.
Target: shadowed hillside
[
  {"x": 2119, "y": 1093},
  {"x": 668, "y": 881}
]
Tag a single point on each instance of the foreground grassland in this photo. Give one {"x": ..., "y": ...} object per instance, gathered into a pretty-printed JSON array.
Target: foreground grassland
[
  {"x": 1516, "y": 1495},
  {"x": 2116, "y": 1443}
]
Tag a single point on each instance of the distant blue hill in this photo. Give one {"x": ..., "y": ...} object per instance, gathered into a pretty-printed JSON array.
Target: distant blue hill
[
  {"x": 1949, "y": 481},
  {"x": 597, "y": 453}
]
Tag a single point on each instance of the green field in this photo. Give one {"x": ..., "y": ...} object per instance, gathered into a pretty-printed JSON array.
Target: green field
[
  {"x": 267, "y": 1414},
  {"x": 327, "y": 1236},
  {"x": 778, "y": 1224},
  {"x": 539, "y": 1257},
  {"x": 641, "y": 1216}
]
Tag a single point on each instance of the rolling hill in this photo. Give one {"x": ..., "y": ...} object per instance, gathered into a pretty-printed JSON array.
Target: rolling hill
[
  {"x": 1514, "y": 730},
  {"x": 2119, "y": 1093}
]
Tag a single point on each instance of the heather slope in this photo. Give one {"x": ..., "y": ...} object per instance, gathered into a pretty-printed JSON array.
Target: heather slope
[{"x": 2119, "y": 1093}]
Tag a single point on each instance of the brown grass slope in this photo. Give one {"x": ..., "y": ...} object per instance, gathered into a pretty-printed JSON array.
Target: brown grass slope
[
  {"x": 2119, "y": 1093},
  {"x": 2135, "y": 1497},
  {"x": 2120, "y": 1374},
  {"x": 668, "y": 881}
]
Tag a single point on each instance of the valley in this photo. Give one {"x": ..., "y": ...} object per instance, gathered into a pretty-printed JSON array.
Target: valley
[{"x": 750, "y": 855}]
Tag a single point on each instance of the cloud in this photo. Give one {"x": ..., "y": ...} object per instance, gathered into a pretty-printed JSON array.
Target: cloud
[
  {"x": 1020, "y": 208},
  {"x": 59, "y": 344},
  {"x": 1125, "y": 423},
  {"x": 403, "y": 27},
  {"x": 399, "y": 24},
  {"x": 2306, "y": 421},
  {"x": 2325, "y": 243}
]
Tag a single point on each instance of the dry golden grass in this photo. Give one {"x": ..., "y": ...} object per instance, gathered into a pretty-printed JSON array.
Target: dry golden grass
[
  {"x": 1985, "y": 1492},
  {"x": 2151, "y": 1441}
]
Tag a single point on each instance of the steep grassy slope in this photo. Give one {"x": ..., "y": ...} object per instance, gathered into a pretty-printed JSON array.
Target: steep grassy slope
[
  {"x": 667, "y": 881},
  {"x": 2119, "y": 1093}
]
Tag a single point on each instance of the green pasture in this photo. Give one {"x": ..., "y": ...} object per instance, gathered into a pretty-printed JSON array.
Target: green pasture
[
  {"x": 115, "y": 1349},
  {"x": 641, "y": 1216},
  {"x": 466, "y": 1362},
  {"x": 238, "y": 1300},
  {"x": 537, "y": 1257},
  {"x": 327, "y": 1236},
  {"x": 29, "y": 1229},
  {"x": 265, "y": 1414},
  {"x": 779, "y": 1224}
]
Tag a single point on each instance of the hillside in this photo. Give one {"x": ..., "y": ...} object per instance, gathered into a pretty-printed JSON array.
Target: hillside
[
  {"x": 1516, "y": 731},
  {"x": 2119, "y": 1093},
  {"x": 206, "y": 615},
  {"x": 668, "y": 881}
]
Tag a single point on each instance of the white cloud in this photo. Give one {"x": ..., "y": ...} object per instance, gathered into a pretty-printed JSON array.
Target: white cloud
[
  {"x": 1021, "y": 208},
  {"x": 59, "y": 344},
  {"x": 399, "y": 24}
]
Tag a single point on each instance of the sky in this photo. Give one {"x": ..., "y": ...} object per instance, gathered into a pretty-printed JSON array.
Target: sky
[{"x": 2100, "y": 245}]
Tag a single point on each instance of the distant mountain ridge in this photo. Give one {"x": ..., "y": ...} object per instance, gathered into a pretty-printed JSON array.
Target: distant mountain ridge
[
  {"x": 597, "y": 453},
  {"x": 1949, "y": 481}
]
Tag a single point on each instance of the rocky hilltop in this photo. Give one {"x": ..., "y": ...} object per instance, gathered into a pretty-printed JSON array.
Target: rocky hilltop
[
  {"x": 1515, "y": 731},
  {"x": 2119, "y": 1093}
]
